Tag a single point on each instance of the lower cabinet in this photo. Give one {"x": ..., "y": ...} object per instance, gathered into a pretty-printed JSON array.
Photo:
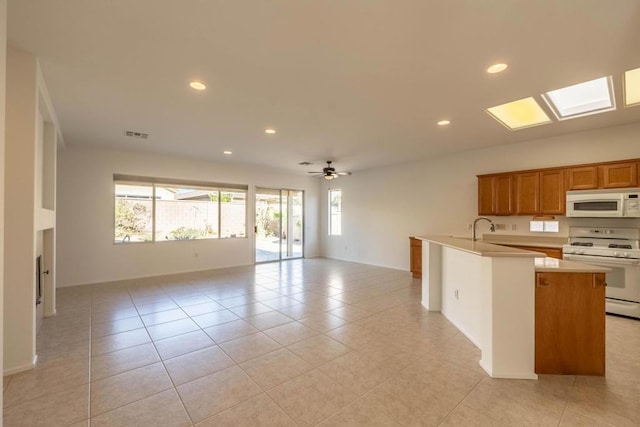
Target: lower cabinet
[
  {"x": 570, "y": 323},
  {"x": 416, "y": 257}
]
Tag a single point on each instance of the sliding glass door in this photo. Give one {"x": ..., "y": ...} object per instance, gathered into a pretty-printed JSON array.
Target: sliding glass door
[{"x": 279, "y": 224}]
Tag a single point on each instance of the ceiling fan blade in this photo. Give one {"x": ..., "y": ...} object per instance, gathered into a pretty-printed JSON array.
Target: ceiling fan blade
[
  {"x": 342, "y": 173},
  {"x": 316, "y": 172}
]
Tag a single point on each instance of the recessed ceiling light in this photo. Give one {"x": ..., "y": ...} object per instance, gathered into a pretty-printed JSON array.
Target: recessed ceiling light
[
  {"x": 582, "y": 99},
  {"x": 444, "y": 122},
  {"x": 227, "y": 152},
  {"x": 497, "y": 68},
  {"x": 270, "y": 131},
  {"x": 519, "y": 114},
  {"x": 632, "y": 87},
  {"x": 197, "y": 85}
]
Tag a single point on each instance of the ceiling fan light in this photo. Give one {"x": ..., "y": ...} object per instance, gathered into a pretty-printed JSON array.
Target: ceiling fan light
[{"x": 328, "y": 177}]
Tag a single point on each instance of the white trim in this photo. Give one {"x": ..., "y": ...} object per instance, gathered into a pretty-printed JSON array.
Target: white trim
[
  {"x": 22, "y": 368},
  {"x": 49, "y": 112}
]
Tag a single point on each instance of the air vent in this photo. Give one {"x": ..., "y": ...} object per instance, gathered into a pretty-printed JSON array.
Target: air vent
[
  {"x": 305, "y": 163},
  {"x": 134, "y": 134}
]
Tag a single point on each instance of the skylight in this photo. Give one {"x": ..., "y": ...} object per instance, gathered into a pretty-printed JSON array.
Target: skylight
[
  {"x": 519, "y": 114},
  {"x": 582, "y": 99},
  {"x": 632, "y": 87}
]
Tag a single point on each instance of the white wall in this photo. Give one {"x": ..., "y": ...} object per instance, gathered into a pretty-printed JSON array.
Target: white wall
[
  {"x": 19, "y": 236},
  {"x": 85, "y": 208},
  {"x": 383, "y": 207},
  {"x": 464, "y": 309},
  {"x": 3, "y": 74}
]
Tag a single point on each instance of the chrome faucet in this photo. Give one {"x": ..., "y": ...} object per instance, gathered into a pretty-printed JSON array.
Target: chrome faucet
[{"x": 493, "y": 227}]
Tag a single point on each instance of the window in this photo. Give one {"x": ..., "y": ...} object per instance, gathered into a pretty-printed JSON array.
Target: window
[
  {"x": 335, "y": 212},
  {"x": 594, "y": 96},
  {"x": 150, "y": 210},
  {"x": 134, "y": 209},
  {"x": 519, "y": 114}
]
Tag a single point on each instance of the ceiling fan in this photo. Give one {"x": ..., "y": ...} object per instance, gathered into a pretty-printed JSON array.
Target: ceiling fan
[{"x": 330, "y": 172}]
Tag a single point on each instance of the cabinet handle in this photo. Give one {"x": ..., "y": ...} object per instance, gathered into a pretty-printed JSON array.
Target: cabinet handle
[
  {"x": 598, "y": 283},
  {"x": 542, "y": 282}
]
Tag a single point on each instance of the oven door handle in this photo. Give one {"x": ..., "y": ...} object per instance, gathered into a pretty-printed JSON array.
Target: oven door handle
[{"x": 601, "y": 260}]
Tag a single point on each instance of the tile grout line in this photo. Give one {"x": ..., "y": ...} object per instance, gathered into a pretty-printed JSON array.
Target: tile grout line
[
  {"x": 462, "y": 400},
  {"x": 175, "y": 388},
  {"x": 90, "y": 355},
  {"x": 566, "y": 404}
]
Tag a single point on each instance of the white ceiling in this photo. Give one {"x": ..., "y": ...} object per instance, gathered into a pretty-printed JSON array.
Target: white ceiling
[{"x": 358, "y": 82}]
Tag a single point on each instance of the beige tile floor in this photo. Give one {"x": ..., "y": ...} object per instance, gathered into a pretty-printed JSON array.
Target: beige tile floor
[{"x": 305, "y": 342}]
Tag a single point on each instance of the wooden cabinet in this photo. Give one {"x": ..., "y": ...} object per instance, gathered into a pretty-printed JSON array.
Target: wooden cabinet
[
  {"x": 582, "y": 178},
  {"x": 495, "y": 195},
  {"x": 527, "y": 193},
  {"x": 539, "y": 192},
  {"x": 550, "y": 252},
  {"x": 543, "y": 191},
  {"x": 415, "y": 251},
  {"x": 619, "y": 175},
  {"x": 486, "y": 195},
  {"x": 504, "y": 195},
  {"x": 570, "y": 323},
  {"x": 552, "y": 192}
]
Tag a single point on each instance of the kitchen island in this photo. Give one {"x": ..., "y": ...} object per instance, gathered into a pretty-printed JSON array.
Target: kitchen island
[{"x": 488, "y": 292}]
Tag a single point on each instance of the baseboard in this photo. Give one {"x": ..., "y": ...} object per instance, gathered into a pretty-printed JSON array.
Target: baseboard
[
  {"x": 22, "y": 368},
  {"x": 463, "y": 330},
  {"x": 510, "y": 375}
]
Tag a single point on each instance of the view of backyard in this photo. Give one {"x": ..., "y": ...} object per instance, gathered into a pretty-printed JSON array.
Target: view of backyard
[{"x": 180, "y": 213}]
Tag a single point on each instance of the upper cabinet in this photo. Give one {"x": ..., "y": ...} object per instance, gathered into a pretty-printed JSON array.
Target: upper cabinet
[
  {"x": 552, "y": 192},
  {"x": 582, "y": 178},
  {"x": 540, "y": 192},
  {"x": 495, "y": 195},
  {"x": 619, "y": 175},
  {"x": 543, "y": 191},
  {"x": 527, "y": 195}
]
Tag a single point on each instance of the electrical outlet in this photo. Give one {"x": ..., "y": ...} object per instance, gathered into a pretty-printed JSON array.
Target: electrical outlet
[
  {"x": 514, "y": 227},
  {"x": 455, "y": 294},
  {"x": 500, "y": 226}
]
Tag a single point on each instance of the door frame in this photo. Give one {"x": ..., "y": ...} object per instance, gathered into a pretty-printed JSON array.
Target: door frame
[{"x": 255, "y": 225}]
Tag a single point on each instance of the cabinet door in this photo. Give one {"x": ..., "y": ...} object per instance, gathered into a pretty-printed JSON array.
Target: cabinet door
[
  {"x": 503, "y": 195},
  {"x": 416, "y": 257},
  {"x": 570, "y": 323},
  {"x": 584, "y": 178},
  {"x": 527, "y": 194},
  {"x": 552, "y": 192},
  {"x": 486, "y": 195},
  {"x": 619, "y": 175}
]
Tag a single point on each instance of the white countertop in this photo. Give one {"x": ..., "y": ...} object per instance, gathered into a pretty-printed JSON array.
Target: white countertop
[
  {"x": 554, "y": 265},
  {"x": 479, "y": 247},
  {"x": 542, "y": 262}
]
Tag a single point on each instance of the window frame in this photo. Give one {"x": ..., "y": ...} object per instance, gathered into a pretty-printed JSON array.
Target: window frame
[
  {"x": 178, "y": 183},
  {"x": 330, "y": 230}
]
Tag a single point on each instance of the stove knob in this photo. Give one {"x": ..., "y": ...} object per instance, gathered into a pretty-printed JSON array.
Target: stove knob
[
  {"x": 617, "y": 254},
  {"x": 626, "y": 255}
]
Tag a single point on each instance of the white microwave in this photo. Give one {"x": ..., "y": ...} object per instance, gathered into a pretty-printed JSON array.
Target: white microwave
[{"x": 604, "y": 203}]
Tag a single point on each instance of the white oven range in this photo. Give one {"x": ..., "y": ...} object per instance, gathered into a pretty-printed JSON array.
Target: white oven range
[{"x": 617, "y": 248}]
